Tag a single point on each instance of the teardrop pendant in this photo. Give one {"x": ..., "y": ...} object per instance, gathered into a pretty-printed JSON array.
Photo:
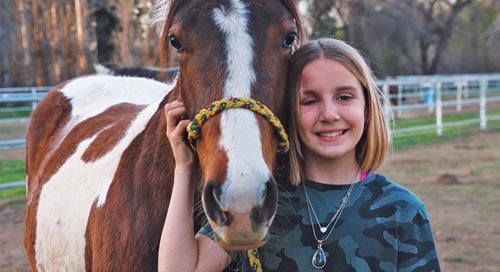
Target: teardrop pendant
[{"x": 319, "y": 258}]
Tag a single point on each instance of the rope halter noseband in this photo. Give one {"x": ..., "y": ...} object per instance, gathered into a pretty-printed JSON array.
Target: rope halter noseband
[{"x": 194, "y": 128}]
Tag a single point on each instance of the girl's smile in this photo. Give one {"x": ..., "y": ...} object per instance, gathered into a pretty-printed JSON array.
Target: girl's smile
[{"x": 330, "y": 134}]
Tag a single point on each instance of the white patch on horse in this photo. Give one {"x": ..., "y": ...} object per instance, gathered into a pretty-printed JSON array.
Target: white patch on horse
[
  {"x": 62, "y": 218},
  {"x": 94, "y": 94},
  {"x": 240, "y": 136}
]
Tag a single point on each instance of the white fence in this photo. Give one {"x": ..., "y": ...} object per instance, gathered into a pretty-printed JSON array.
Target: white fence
[
  {"x": 433, "y": 94},
  {"x": 428, "y": 94},
  {"x": 437, "y": 93}
]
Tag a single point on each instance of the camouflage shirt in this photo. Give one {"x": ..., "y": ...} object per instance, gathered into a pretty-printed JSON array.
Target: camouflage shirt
[{"x": 384, "y": 227}]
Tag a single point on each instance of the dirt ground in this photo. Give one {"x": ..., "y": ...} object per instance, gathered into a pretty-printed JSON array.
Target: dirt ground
[{"x": 457, "y": 180}]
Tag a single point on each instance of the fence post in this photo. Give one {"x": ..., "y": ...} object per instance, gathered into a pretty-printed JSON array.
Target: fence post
[
  {"x": 483, "y": 118},
  {"x": 34, "y": 95},
  {"x": 460, "y": 86},
  {"x": 387, "y": 109},
  {"x": 400, "y": 99},
  {"x": 439, "y": 109}
]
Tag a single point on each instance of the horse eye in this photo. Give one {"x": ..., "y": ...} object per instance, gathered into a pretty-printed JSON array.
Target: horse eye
[
  {"x": 175, "y": 43},
  {"x": 289, "y": 40}
]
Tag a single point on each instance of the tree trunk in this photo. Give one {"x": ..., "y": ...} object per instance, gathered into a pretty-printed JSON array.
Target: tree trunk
[
  {"x": 80, "y": 39},
  {"x": 28, "y": 74},
  {"x": 55, "y": 41}
]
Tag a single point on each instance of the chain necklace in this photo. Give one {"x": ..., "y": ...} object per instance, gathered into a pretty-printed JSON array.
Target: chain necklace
[{"x": 319, "y": 257}]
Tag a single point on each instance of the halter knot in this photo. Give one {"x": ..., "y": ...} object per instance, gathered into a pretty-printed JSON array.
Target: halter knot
[{"x": 194, "y": 128}]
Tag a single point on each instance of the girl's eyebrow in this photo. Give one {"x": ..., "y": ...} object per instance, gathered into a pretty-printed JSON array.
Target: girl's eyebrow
[
  {"x": 307, "y": 91},
  {"x": 346, "y": 88}
]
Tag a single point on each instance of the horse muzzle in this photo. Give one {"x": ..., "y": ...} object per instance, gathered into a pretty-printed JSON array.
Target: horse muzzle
[{"x": 236, "y": 228}]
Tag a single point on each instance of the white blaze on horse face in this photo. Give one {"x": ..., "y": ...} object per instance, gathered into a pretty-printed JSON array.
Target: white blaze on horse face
[
  {"x": 62, "y": 217},
  {"x": 240, "y": 136}
]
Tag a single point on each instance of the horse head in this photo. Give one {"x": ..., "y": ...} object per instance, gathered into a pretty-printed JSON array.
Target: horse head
[{"x": 228, "y": 49}]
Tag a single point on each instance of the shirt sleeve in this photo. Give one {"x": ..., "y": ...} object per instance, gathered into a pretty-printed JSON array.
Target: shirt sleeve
[
  {"x": 416, "y": 247},
  {"x": 207, "y": 231}
]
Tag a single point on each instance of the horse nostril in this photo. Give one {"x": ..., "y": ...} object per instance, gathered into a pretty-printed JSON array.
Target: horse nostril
[
  {"x": 266, "y": 211},
  {"x": 213, "y": 208}
]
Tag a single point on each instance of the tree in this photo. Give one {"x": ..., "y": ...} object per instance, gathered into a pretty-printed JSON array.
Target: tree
[
  {"x": 325, "y": 18},
  {"x": 431, "y": 22}
]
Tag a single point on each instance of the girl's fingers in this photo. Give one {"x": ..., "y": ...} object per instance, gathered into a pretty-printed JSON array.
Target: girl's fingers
[
  {"x": 176, "y": 126},
  {"x": 173, "y": 112},
  {"x": 181, "y": 127}
]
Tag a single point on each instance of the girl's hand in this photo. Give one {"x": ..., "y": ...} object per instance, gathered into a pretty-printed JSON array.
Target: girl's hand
[{"x": 176, "y": 126}]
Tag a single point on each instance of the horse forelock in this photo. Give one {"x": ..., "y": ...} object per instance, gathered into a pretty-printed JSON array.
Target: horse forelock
[{"x": 292, "y": 7}]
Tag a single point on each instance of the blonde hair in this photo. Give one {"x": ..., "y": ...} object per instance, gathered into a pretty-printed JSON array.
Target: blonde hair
[{"x": 372, "y": 148}]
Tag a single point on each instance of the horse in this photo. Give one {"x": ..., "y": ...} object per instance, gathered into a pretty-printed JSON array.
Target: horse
[
  {"x": 168, "y": 74},
  {"x": 99, "y": 168}
]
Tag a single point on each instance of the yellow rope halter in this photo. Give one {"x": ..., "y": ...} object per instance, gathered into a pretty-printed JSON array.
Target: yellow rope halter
[
  {"x": 194, "y": 128},
  {"x": 254, "y": 260}
]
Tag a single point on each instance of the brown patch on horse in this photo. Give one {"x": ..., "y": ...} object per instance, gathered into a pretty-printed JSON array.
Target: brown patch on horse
[
  {"x": 269, "y": 147},
  {"x": 50, "y": 117},
  {"x": 82, "y": 131},
  {"x": 135, "y": 181},
  {"x": 59, "y": 150},
  {"x": 213, "y": 160},
  {"x": 212, "y": 66},
  {"x": 119, "y": 117}
]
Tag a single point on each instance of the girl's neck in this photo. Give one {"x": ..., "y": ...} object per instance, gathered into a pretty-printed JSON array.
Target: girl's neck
[{"x": 334, "y": 171}]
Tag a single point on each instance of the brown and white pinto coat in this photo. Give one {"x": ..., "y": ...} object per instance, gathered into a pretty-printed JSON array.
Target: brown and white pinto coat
[{"x": 100, "y": 168}]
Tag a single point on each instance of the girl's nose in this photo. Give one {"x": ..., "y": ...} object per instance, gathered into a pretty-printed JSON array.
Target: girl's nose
[{"x": 329, "y": 113}]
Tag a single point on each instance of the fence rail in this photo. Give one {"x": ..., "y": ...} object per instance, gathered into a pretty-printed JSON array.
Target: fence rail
[{"x": 407, "y": 93}]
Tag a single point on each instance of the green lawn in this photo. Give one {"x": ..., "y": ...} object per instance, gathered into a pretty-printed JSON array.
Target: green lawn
[
  {"x": 15, "y": 114},
  {"x": 413, "y": 139},
  {"x": 12, "y": 170},
  {"x": 448, "y": 117}
]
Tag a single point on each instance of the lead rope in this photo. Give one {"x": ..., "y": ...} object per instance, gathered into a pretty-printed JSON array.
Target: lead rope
[
  {"x": 254, "y": 260},
  {"x": 194, "y": 128}
]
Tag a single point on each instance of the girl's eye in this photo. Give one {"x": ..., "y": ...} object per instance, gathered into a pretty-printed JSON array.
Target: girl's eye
[
  {"x": 307, "y": 102},
  {"x": 345, "y": 97}
]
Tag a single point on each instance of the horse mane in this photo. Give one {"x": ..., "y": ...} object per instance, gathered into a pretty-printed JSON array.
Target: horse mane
[
  {"x": 292, "y": 7},
  {"x": 171, "y": 8}
]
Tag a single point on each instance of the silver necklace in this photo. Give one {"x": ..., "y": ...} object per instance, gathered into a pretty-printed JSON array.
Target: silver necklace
[{"x": 319, "y": 257}]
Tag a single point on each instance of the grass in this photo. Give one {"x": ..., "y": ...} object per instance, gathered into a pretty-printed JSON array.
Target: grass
[
  {"x": 15, "y": 114},
  {"x": 414, "y": 139},
  {"x": 12, "y": 170}
]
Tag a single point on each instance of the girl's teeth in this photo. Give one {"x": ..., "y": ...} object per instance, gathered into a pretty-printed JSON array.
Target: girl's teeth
[{"x": 331, "y": 135}]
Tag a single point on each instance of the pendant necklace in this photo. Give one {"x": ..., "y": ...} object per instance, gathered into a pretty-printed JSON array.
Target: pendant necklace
[{"x": 319, "y": 257}]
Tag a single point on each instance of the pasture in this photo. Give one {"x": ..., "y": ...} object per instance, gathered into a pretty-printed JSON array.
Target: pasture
[{"x": 463, "y": 212}]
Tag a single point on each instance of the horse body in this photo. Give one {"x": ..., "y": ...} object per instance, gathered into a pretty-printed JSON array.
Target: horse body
[
  {"x": 100, "y": 169},
  {"x": 82, "y": 200}
]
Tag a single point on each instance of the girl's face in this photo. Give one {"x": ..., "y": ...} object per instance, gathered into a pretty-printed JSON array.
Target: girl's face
[{"x": 332, "y": 111}]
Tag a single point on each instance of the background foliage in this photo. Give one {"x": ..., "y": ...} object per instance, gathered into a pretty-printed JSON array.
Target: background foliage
[{"x": 48, "y": 41}]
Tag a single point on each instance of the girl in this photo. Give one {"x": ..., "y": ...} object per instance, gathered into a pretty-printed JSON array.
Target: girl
[{"x": 335, "y": 213}]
